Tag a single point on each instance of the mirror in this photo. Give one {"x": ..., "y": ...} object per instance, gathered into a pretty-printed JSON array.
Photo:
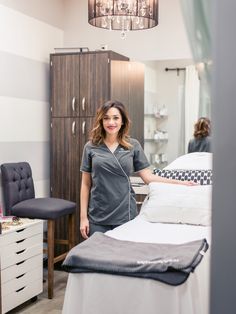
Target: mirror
[{"x": 164, "y": 110}]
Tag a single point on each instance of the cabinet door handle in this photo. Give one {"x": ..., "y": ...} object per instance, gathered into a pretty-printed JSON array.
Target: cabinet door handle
[
  {"x": 83, "y": 127},
  {"x": 73, "y": 128},
  {"x": 83, "y": 103},
  {"x": 73, "y": 104}
]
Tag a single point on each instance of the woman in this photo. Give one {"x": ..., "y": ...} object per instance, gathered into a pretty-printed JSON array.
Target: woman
[
  {"x": 109, "y": 158},
  {"x": 201, "y": 141}
]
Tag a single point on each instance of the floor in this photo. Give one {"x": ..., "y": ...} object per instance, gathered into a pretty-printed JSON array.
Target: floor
[{"x": 43, "y": 305}]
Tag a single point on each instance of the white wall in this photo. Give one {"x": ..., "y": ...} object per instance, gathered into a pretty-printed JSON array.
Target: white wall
[
  {"x": 166, "y": 41},
  {"x": 51, "y": 12},
  {"x": 27, "y": 38}
]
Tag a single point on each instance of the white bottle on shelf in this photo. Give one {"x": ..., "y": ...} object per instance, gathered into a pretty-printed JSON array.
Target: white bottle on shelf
[{"x": 163, "y": 111}]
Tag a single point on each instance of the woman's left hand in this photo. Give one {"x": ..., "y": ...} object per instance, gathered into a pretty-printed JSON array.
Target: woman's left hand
[{"x": 188, "y": 183}]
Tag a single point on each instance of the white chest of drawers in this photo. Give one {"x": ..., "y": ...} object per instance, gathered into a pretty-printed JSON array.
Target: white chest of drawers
[{"x": 21, "y": 255}]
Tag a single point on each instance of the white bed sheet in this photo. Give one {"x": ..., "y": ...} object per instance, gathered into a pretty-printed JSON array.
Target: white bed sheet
[{"x": 95, "y": 293}]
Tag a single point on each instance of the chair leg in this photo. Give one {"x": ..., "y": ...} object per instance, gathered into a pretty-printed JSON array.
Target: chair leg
[
  {"x": 51, "y": 230},
  {"x": 71, "y": 229}
]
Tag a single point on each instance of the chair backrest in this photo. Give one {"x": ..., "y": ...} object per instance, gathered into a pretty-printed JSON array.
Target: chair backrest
[{"x": 17, "y": 184}]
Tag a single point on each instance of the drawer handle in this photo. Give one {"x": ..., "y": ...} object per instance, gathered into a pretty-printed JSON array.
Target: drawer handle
[
  {"x": 20, "y": 276},
  {"x": 20, "y": 289},
  {"x": 20, "y": 230},
  {"x": 19, "y": 241},
  {"x": 20, "y": 263},
  {"x": 19, "y": 252}
]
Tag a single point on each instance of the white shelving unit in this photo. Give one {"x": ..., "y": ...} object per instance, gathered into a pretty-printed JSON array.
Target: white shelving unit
[{"x": 156, "y": 137}]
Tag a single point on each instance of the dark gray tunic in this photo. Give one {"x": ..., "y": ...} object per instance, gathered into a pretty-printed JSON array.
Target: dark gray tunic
[
  {"x": 200, "y": 145},
  {"x": 112, "y": 198}
]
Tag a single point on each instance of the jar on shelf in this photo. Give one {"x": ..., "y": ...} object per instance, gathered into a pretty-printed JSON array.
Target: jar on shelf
[
  {"x": 161, "y": 112},
  {"x": 160, "y": 136}
]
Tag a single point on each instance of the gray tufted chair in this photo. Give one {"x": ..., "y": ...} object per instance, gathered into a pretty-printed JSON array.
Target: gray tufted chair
[{"x": 20, "y": 201}]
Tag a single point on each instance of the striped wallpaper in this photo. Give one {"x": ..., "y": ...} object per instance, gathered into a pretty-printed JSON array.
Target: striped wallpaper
[{"x": 25, "y": 45}]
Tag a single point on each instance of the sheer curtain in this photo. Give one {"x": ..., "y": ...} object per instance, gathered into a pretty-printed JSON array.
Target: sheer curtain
[
  {"x": 196, "y": 15},
  {"x": 191, "y": 97},
  {"x": 181, "y": 118}
]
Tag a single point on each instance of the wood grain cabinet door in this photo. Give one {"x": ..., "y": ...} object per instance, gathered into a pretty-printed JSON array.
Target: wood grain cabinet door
[
  {"x": 87, "y": 102},
  {"x": 83, "y": 130},
  {"x": 136, "y": 100},
  {"x": 119, "y": 73},
  {"x": 84, "y": 127},
  {"x": 102, "y": 82},
  {"x": 65, "y": 85},
  {"x": 127, "y": 86},
  {"x": 64, "y": 157}
]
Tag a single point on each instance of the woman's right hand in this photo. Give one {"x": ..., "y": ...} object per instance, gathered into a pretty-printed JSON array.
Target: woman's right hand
[{"x": 84, "y": 228}]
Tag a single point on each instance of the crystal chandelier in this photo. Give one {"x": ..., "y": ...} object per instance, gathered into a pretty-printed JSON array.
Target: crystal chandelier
[{"x": 123, "y": 15}]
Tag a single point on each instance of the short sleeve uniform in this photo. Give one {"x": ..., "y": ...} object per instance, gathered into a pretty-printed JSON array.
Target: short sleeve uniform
[
  {"x": 112, "y": 198},
  {"x": 200, "y": 145}
]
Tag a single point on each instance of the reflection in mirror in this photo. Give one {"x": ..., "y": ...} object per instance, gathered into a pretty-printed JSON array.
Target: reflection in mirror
[{"x": 171, "y": 107}]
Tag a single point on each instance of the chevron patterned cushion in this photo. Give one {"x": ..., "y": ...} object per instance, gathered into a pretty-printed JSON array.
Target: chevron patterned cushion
[{"x": 203, "y": 177}]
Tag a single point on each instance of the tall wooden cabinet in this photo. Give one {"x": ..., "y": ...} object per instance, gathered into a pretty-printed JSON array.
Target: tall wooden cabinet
[{"x": 80, "y": 83}]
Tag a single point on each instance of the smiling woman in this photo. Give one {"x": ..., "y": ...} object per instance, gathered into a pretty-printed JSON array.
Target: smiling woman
[{"x": 109, "y": 158}]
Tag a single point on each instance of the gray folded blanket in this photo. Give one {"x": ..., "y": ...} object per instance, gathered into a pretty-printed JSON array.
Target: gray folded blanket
[{"x": 169, "y": 263}]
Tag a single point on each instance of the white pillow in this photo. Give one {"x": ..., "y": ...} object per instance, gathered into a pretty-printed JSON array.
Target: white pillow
[
  {"x": 175, "y": 203},
  {"x": 198, "y": 160}
]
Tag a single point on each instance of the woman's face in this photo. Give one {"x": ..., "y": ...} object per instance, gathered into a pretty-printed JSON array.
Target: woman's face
[{"x": 112, "y": 121}]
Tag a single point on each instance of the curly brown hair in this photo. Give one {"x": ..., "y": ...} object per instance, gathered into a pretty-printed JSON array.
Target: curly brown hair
[
  {"x": 98, "y": 134},
  {"x": 202, "y": 128}
]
